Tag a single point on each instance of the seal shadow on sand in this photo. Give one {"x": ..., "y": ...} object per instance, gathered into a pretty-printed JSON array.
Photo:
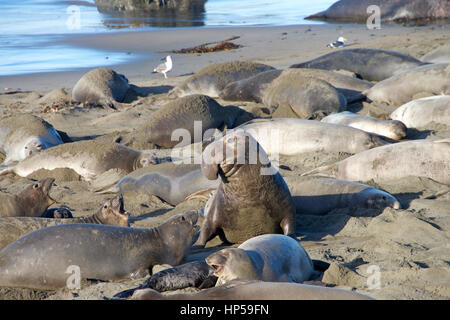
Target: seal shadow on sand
[{"x": 136, "y": 92}]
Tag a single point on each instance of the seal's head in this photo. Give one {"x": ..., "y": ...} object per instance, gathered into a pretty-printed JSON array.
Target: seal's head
[
  {"x": 58, "y": 213},
  {"x": 146, "y": 159},
  {"x": 381, "y": 200},
  {"x": 230, "y": 264},
  {"x": 398, "y": 130},
  {"x": 36, "y": 197},
  {"x": 112, "y": 212},
  {"x": 33, "y": 146}
]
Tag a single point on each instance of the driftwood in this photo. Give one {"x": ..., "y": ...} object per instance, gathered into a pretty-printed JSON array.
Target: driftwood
[{"x": 206, "y": 47}]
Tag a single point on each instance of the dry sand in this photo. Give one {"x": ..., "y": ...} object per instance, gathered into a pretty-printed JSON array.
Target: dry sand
[{"x": 410, "y": 247}]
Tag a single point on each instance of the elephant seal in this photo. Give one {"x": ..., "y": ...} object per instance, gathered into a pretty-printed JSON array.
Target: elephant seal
[
  {"x": 180, "y": 115},
  {"x": 212, "y": 79},
  {"x": 196, "y": 274},
  {"x": 99, "y": 251},
  {"x": 438, "y": 55},
  {"x": 319, "y": 195},
  {"x": 419, "y": 158},
  {"x": 33, "y": 201},
  {"x": 392, "y": 129},
  {"x": 257, "y": 290},
  {"x": 23, "y": 135},
  {"x": 58, "y": 213},
  {"x": 101, "y": 86},
  {"x": 269, "y": 257},
  {"x": 168, "y": 181},
  {"x": 393, "y": 10},
  {"x": 368, "y": 64},
  {"x": 252, "y": 197},
  {"x": 110, "y": 213},
  {"x": 252, "y": 89},
  {"x": 288, "y": 137},
  {"x": 399, "y": 89},
  {"x": 420, "y": 112},
  {"x": 88, "y": 158},
  {"x": 308, "y": 97}
]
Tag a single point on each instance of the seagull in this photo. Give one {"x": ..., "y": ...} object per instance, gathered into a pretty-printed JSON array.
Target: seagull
[
  {"x": 340, "y": 42},
  {"x": 164, "y": 67}
]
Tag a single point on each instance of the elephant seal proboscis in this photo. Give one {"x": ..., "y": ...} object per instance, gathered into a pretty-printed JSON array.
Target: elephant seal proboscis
[
  {"x": 33, "y": 201},
  {"x": 110, "y": 213},
  {"x": 212, "y": 79},
  {"x": 369, "y": 64},
  {"x": 288, "y": 137},
  {"x": 257, "y": 290},
  {"x": 252, "y": 197},
  {"x": 88, "y": 158},
  {"x": 269, "y": 257},
  {"x": 196, "y": 274},
  {"x": 181, "y": 113},
  {"x": 392, "y": 129},
  {"x": 419, "y": 113},
  {"x": 393, "y": 10},
  {"x": 168, "y": 181},
  {"x": 307, "y": 97},
  {"x": 419, "y": 158},
  {"x": 319, "y": 195},
  {"x": 425, "y": 80},
  {"x": 97, "y": 251},
  {"x": 23, "y": 135},
  {"x": 253, "y": 89},
  {"x": 101, "y": 86}
]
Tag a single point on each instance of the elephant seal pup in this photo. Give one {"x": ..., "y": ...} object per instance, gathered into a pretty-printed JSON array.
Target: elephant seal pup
[
  {"x": 257, "y": 290},
  {"x": 110, "y": 213},
  {"x": 99, "y": 251},
  {"x": 252, "y": 89},
  {"x": 288, "y": 137},
  {"x": 419, "y": 158},
  {"x": 368, "y": 64},
  {"x": 58, "y": 213},
  {"x": 269, "y": 257},
  {"x": 212, "y": 79},
  {"x": 88, "y": 158},
  {"x": 319, "y": 195},
  {"x": 168, "y": 181},
  {"x": 393, "y": 10},
  {"x": 101, "y": 86},
  {"x": 439, "y": 55},
  {"x": 308, "y": 97},
  {"x": 430, "y": 80},
  {"x": 180, "y": 116},
  {"x": 196, "y": 274},
  {"x": 33, "y": 201},
  {"x": 23, "y": 135},
  {"x": 420, "y": 112},
  {"x": 252, "y": 197},
  {"x": 392, "y": 129}
]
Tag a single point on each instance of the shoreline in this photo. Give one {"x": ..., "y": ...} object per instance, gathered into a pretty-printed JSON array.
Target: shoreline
[{"x": 265, "y": 44}]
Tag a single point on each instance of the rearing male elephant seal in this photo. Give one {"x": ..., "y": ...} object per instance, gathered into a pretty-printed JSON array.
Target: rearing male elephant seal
[
  {"x": 269, "y": 257},
  {"x": 88, "y": 158},
  {"x": 287, "y": 136},
  {"x": 180, "y": 116},
  {"x": 31, "y": 202},
  {"x": 99, "y": 251},
  {"x": 420, "y": 112},
  {"x": 110, "y": 213},
  {"x": 23, "y": 135},
  {"x": 426, "y": 80},
  {"x": 212, "y": 79},
  {"x": 369, "y": 64},
  {"x": 257, "y": 290},
  {"x": 392, "y": 129},
  {"x": 252, "y": 198},
  {"x": 392, "y": 10},
  {"x": 101, "y": 86},
  {"x": 419, "y": 158}
]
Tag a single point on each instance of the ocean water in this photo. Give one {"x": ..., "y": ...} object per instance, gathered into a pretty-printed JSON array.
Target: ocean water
[{"x": 31, "y": 29}]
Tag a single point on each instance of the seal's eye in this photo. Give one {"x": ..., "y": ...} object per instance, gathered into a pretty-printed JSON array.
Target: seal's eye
[
  {"x": 36, "y": 186},
  {"x": 105, "y": 206},
  {"x": 182, "y": 218}
]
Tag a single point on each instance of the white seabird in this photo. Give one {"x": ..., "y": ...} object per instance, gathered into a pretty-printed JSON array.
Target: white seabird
[
  {"x": 340, "y": 42},
  {"x": 164, "y": 67}
]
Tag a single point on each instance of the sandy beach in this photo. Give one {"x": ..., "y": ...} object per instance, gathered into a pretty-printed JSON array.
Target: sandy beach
[{"x": 407, "y": 249}]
